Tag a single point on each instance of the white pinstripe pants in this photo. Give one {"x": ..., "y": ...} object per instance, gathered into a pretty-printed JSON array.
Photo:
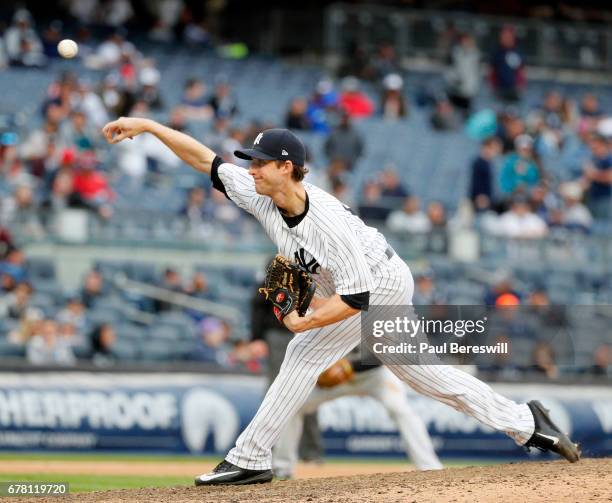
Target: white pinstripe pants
[
  {"x": 310, "y": 353},
  {"x": 380, "y": 384}
]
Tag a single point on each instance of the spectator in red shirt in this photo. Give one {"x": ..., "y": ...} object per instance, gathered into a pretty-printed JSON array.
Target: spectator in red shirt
[
  {"x": 92, "y": 186},
  {"x": 353, "y": 101}
]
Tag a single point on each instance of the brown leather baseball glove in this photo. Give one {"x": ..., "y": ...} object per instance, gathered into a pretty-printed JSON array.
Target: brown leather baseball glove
[
  {"x": 339, "y": 373},
  {"x": 288, "y": 287}
]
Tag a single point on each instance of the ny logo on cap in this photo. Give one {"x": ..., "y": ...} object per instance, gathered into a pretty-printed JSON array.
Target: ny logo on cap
[
  {"x": 284, "y": 152},
  {"x": 256, "y": 142}
]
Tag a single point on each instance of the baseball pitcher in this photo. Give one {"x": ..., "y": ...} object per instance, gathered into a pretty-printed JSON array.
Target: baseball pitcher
[{"x": 353, "y": 267}]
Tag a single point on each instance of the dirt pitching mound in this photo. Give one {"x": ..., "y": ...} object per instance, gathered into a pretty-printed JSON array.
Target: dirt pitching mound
[{"x": 588, "y": 480}]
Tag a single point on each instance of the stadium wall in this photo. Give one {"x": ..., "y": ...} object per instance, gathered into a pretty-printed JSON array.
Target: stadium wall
[{"x": 203, "y": 414}]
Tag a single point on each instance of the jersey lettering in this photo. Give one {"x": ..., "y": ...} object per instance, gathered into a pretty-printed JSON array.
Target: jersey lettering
[{"x": 311, "y": 266}]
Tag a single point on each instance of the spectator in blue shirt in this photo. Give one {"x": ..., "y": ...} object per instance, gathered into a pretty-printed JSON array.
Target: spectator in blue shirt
[
  {"x": 482, "y": 169},
  {"x": 324, "y": 100},
  {"x": 598, "y": 174},
  {"x": 507, "y": 67},
  {"x": 519, "y": 171}
]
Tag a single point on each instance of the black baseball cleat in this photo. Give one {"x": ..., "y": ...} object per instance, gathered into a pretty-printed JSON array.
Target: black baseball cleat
[
  {"x": 226, "y": 473},
  {"x": 548, "y": 437}
]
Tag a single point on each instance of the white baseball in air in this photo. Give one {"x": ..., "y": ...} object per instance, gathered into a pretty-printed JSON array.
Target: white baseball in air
[{"x": 68, "y": 48}]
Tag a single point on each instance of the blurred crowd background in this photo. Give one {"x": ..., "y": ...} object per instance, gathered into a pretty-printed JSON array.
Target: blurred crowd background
[{"x": 485, "y": 160}]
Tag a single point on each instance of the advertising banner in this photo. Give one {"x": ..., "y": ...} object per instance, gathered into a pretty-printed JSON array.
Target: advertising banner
[{"x": 204, "y": 414}]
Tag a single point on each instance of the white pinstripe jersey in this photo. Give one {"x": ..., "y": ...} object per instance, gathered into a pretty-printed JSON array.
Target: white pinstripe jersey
[{"x": 343, "y": 254}]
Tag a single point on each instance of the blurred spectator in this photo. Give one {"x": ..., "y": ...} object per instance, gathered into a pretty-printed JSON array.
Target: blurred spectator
[
  {"x": 92, "y": 106},
  {"x": 23, "y": 45},
  {"x": 225, "y": 212},
  {"x": 78, "y": 132},
  {"x": 410, "y": 218},
  {"x": 69, "y": 335},
  {"x": 372, "y": 206},
  {"x": 196, "y": 33},
  {"x": 543, "y": 201},
  {"x": 61, "y": 93},
  {"x": 519, "y": 171},
  {"x": 85, "y": 12},
  {"x": 110, "y": 52},
  {"x": 602, "y": 361},
  {"x": 198, "y": 286},
  {"x": 356, "y": 61},
  {"x": 114, "y": 98},
  {"x": 426, "y": 292},
  {"x": 482, "y": 174},
  {"x": 353, "y": 101},
  {"x": 323, "y": 102},
  {"x": 385, "y": 62},
  {"x": 46, "y": 347},
  {"x": 576, "y": 215},
  {"x": 51, "y": 37},
  {"x": 444, "y": 117},
  {"x": 543, "y": 360},
  {"x": 393, "y": 105},
  {"x": 172, "y": 282},
  {"x": 20, "y": 212},
  {"x": 246, "y": 355},
  {"x": 233, "y": 142},
  {"x": 93, "y": 185},
  {"x": 502, "y": 284},
  {"x": 598, "y": 177},
  {"x": 391, "y": 184},
  {"x": 74, "y": 314},
  {"x": 167, "y": 14},
  {"x": 4, "y": 61},
  {"x": 194, "y": 103},
  {"x": 149, "y": 93},
  {"x": 464, "y": 75},
  {"x": 14, "y": 304},
  {"x": 437, "y": 239},
  {"x": 219, "y": 132},
  {"x": 590, "y": 113},
  {"x": 548, "y": 123},
  {"x": 103, "y": 340},
  {"x": 509, "y": 127},
  {"x": 93, "y": 288},
  {"x": 344, "y": 143},
  {"x": 6, "y": 243},
  {"x": 520, "y": 222},
  {"x": 297, "y": 118},
  {"x": 115, "y": 13},
  {"x": 507, "y": 67},
  {"x": 40, "y": 145},
  {"x": 340, "y": 190},
  {"x": 28, "y": 326},
  {"x": 212, "y": 344},
  {"x": 61, "y": 196},
  {"x": 12, "y": 269},
  {"x": 223, "y": 102},
  {"x": 198, "y": 213}
]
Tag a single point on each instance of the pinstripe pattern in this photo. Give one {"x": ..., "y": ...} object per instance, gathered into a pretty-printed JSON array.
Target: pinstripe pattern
[{"x": 352, "y": 260}]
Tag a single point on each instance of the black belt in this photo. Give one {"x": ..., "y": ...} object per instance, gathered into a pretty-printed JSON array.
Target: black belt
[{"x": 389, "y": 252}]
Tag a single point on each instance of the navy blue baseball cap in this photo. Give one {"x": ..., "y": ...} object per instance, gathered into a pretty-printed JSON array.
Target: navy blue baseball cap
[{"x": 275, "y": 145}]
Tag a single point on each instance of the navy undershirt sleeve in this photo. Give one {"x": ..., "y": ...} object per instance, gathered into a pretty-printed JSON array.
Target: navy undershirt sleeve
[
  {"x": 214, "y": 175},
  {"x": 359, "y": 301}
]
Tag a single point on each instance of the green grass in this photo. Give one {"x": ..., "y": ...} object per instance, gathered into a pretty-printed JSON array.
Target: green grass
[
  {"x": 86, "y": 483},
  {"x": 62, "y": 456}
]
